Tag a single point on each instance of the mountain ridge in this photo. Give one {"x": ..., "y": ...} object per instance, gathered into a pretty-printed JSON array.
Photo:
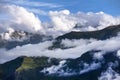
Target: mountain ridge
[
  {"x": 22, "y": 67},
  {"x": 103, "y": 34},
  {"x": 82, "y": 68},
  {"x": 20, "y": 38},
  {"x": 106, "y": 33}
]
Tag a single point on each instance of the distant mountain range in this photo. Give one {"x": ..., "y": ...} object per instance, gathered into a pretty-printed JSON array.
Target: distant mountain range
[
  {"x": 20, "y": 38},
  {"x": 85, "y": 67}
]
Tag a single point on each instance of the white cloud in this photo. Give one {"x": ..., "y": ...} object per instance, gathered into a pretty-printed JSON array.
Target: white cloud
[
  {"x": 62, "y": 20},
  {"x": 20, "y": 19},
  {"x": 65, "y": 21},
  {"x": 118, "y": 53},
  {"x": 38, "y": 11},
  {"x": 41, "y": 49},
  {"x": 59, "y": 69},
  {"x": 55, "y": 69},
  {"x": 90, "y": 67},
  {"x": 32, "y": 3},
  {"x": 109, "y": 75},
  {"x": 99, "y": 55},
  {"x": 74, "y": 42}
]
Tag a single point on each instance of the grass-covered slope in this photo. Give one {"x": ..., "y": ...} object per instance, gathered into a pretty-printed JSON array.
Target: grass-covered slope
[
  {"x": 28, "y": 68},
  {"x": 24, "y": 68}
]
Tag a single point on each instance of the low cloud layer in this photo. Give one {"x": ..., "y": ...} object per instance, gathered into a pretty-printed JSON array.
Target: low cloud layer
[
  {"x": 59, "y": 69},
  {"x": 15, "y": 17},
  {"x": 19, "y": 18},
  {"x": 109, "y": 75},
  {"x": 41, "y": 49}
]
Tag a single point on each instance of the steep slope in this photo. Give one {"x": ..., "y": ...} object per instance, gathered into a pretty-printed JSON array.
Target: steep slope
[
  {"x": 100, "y": 34},
  {"x": 103, "y": 34},
  {"x": 7, "y": 70},
  {"x": 82, "y": 68},
  {"x": 21, "y": 68},
  {"x": 39, "y": 68}
]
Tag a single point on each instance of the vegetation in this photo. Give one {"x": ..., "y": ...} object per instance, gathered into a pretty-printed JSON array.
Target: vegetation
[
  {"x": 28, "y": 68},
  {"x": 25, "y": 65}
]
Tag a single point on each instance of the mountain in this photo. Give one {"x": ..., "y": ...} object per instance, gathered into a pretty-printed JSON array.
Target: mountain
[
  {"x": 20, "y": 38},
  {"x": 39, "y": 68},
  {"x": 105, "y": 66},
  {"x": 103, "y": 34},
  {"x": 22, "y": 67}
]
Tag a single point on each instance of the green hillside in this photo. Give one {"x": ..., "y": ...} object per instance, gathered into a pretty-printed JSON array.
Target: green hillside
[{"x": 25, "y": 67}]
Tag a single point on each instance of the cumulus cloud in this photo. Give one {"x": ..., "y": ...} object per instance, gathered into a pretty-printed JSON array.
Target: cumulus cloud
[
  {"x": 97, "y": 20},
  {"x": 20, "y": 19},
  {"x": 64, "y": 20}
]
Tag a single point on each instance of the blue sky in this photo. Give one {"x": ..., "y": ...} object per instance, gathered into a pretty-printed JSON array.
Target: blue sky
[
  {"x": 42, "y": 7},
  {"x": 108, "y": 6}
]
